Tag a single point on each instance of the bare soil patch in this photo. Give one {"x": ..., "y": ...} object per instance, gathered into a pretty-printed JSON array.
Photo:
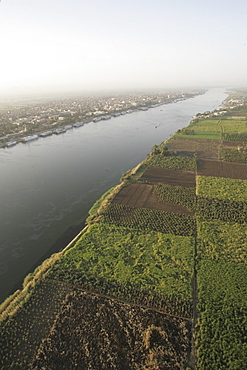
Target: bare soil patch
[
  {"x": 94, "y": 332},
  {"x": 142, "y": 196},
  {"x": 230, "y": 170},
  {"x": 204, "y": 148},
  {"x": 157, "y": 175}
]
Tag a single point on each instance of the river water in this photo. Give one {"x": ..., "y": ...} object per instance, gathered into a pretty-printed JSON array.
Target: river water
[{"x": 49, "y": 184}]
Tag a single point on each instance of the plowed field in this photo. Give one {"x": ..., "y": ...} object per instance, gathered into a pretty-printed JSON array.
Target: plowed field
[
  {"x": 222, "y": 169},
  {"x": 156, "y": 175},
  {"x": 142, "y": 196},
  {"x": 94, "y": 332},
  {"x": 205, "y": 148}
]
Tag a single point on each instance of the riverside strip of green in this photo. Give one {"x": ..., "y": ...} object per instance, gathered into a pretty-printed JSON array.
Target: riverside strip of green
[{"x": 158, "y": 280}]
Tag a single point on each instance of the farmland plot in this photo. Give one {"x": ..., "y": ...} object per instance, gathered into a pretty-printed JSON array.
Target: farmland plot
[
  {"x": 220, "y": 240},
  {"x": 173, "y": 162},
  {"x": 143, "y": 196},
  {"x": 222, "y": 188},
  {"x": 222, "y": 209},
  {"x": 146, "y": 260},
  {"x": 22, "y": 333},
  {"x": 149, "y": 219},
  {"x": 177, "y": 195},
  {"x": 94, "y": 332},
  {"x": 221, "y": 332},
  {"x": 204, "y": 148},
  {"x": 233, "y": 155},
  {"x": 221, "y": 169},
  {"x": 168, "y": 176}
]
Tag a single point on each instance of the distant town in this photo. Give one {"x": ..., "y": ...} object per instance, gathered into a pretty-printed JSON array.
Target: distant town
[{"x": 29, "y": 121}]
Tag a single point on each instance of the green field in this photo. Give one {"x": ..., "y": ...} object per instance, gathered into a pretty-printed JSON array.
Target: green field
[
  {"x": 149, "y": 219},
  {"x": 175, "y": 162},
  {"x": 214, "y": 128},
  {"x": 220, "y": 240},
  {"x": 155, "y": 261},
  {"x": 218, "y": 125},
  {"x": 233, "y": 155},
  {"x": 222, "y": 188},
  {"x": 177, "y": 194},
  {"x": 221, "y": 334}
]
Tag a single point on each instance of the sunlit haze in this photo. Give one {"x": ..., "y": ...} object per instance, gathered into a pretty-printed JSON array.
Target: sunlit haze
[{"x": 76, "y": 45}]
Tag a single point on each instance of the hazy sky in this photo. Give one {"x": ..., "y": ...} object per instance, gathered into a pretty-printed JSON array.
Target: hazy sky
[{"x": 115, "y": 44}]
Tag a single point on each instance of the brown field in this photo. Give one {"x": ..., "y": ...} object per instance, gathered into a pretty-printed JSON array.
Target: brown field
[
  {"x": 142, "y": 196},
  {"x": 205, "y": 148},
  {"x": 222, "y": 169},
  {"x": 168, "y": 176},
  {"x": 93, "y": 332},
  {"x": 231, "y": 144}
]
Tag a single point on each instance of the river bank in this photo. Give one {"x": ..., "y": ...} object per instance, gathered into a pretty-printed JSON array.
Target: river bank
[{"x": 49, "y": 184}]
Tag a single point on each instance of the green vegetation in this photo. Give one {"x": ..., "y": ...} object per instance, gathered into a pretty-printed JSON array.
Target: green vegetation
[
  {"x": 222, "y": 209},
  {"x": 150, "y": 259},
  {"x": 93, "y": 212},
  {"x": 222, "y": 188},
  {"x": 220, "y": 240},
  {"x": 222, "y": 125},
  {"x": 233, "y": 155},
  {"x": 175, "y": 162},
  {"x": 108, "y": 258},
  {"x": 236, "y": 136},
  {"x": 201, "y": 135},
  {"x": 177, "y": 194},
  {"x": 149, "y": 219},
  {"x": 224, "y": 128},
  {"x": 133, "y": 175},
  {"x": 26, "y": 327},
  {"x": 221, "y": 337}
]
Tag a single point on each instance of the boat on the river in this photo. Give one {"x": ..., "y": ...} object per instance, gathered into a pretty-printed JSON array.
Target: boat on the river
[
  {"x": 78, "y": 124},
  {"x": 68, "y": 127},
  {"x": 46, "y": 133},
  {"x": 11, "y": 143},
  {"x": 96, "y": 119},
  {"x": 30, "y": 138},
  {"x": 60, "y": 131}
]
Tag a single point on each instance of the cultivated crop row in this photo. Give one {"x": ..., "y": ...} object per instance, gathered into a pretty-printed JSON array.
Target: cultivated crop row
[
  {"x": 177, "y": 194},
  {"x": 149, "y": 219},
  {"x": 220, "y": 240},
  {"x": 222, "y": 188},
  {"x": 127, "y": 292},
  {"x": 222, "y": 209},
  {"x": 175, "y": 162},
  {"x": 235, "y": 136},
  {"x": 22, "y": 333},
  {"x": 224, "y": 125},
  {"x": 151, "y": 269},
  {"x": 221, "y": 334},
  {"x": 94, "y": 332},
  {"x": 233, "y": 155}
]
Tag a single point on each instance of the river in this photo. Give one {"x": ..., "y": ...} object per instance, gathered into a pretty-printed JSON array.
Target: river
[{"x": 47, "y": 186}]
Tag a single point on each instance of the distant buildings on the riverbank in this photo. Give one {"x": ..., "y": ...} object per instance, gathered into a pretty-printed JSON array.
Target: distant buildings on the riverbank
[{"x": 19, "y": 122}]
